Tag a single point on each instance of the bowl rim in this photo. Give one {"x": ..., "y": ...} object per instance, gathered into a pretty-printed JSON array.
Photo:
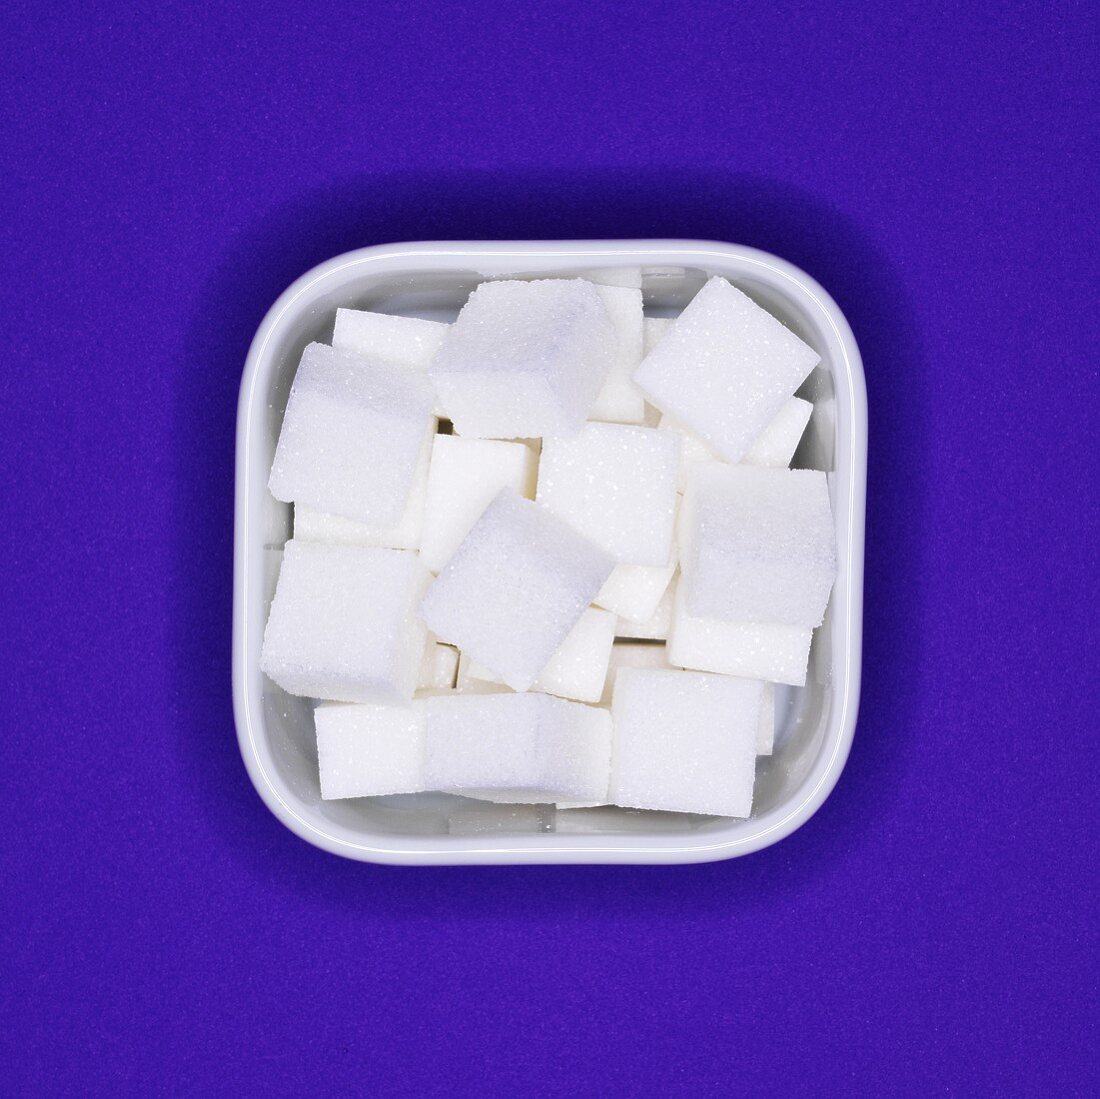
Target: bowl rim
[{"x": 550, "y": 848}]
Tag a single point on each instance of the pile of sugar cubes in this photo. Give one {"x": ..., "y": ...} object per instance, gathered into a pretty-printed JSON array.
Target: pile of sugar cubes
[{"x": 552, "y": 552}]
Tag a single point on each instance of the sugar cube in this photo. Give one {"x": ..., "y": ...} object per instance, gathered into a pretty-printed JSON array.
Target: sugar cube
[
  {"x": 439, "y": 667},
  {"x": 273, "y": 562},
  {"x": 684, "y": 741},
  {"x": 343, "y": 624},
  {"x": 757, "y": 545},
  {"x": 616, "y": 484},
  {"x": 620, "y": 400},
  {"x": 517, "y": 747},
  {"x": 725, "y": 368},
  {"x": 525, "y": 359},
  {"x": 693, "y": 450},
  {"x": 524, "y": 797},
  {"x": 656, "y": 627},
  {"x": 776, "y": 444},
  {"x": 467, "y": 682},
  {"x": 579, "y": 667},
  {"x": 351, "y": 436},
  {"x": 464, "y": 476},
  {"x": 369, "y": 750},
  {"x": 514, "y": 797},
  {"x": 317, "y": 526},
  {"x": 463, "y": 677},
  {"x": 632, "y": 654},
  {"x": 653, "y": 331},
  {"x": 514, "y": 588},
  {"x": 765, "y": 734},
  {"x": 634, "y": 592},
  {"x": 773, "y": 447},
  {"x": 754, "y": 650},
  {"x": 399, "y": 341},
  {"x": 630, "y": 277}
]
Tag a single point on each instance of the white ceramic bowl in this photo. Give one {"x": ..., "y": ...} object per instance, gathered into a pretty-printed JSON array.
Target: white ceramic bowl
[{"x": 814, "y": 724}]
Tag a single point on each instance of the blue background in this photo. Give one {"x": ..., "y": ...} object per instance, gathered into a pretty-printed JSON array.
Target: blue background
[{"x": 168, "y": 173}]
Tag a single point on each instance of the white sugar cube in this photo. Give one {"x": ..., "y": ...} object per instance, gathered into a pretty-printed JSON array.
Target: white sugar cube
[
  {"x": 757, "y": 545},
  {"x": 473, "y": 672},
  {"x": 579, "y": 667},
  {"x": 399, "y": 341},
  {"x": 525, "y": 359},
  {"x": 463, "y": 679},
  {"x": 370, "y": 750},
  {"x": 620, "y": 400},
  {"x": 753, "y": 650},
  {"x": 351, "y": 436},
  {"x": 765, "y": 734},
  {"x": 657, "y": 626},
  {"x": 630, "y": 277},
  {"x": 653, "y": 331},
  {"x": 317, "y": 526},
  {"x": 464, "y": 476},
  {"x": 273, "y": 562},
  {"x": 684, "y": 741},
  {"x": 692, "y": 450},
  {"x": 407, "y": 343},
  {"x": 725, "y": 368},
  {"x": 467, "y": 682},
  {"x": 517, "y": 747},
  {"x": 774, "y": 447},
  {"x": 634, "y": 592},
  {"x": 516, "y": 797},
  {"x": 439, "y": 667},
  {"x": 632, "y": 654},
  {"x": 343, "y": 624},
  {"x": 776, "y": 444},
  {"x": 616, "y": 484},
  {"x": 514, "y": 588}
]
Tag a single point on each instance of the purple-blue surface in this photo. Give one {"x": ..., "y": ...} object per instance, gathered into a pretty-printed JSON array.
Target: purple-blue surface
[{"x": 168, "y": 174}]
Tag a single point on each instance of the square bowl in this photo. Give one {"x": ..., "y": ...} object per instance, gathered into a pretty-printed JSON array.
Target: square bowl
[{"x": 814, "y": 724}]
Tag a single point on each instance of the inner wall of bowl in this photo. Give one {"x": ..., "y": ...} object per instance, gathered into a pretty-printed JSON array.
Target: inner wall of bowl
[{"x": 801, "y": 712}]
